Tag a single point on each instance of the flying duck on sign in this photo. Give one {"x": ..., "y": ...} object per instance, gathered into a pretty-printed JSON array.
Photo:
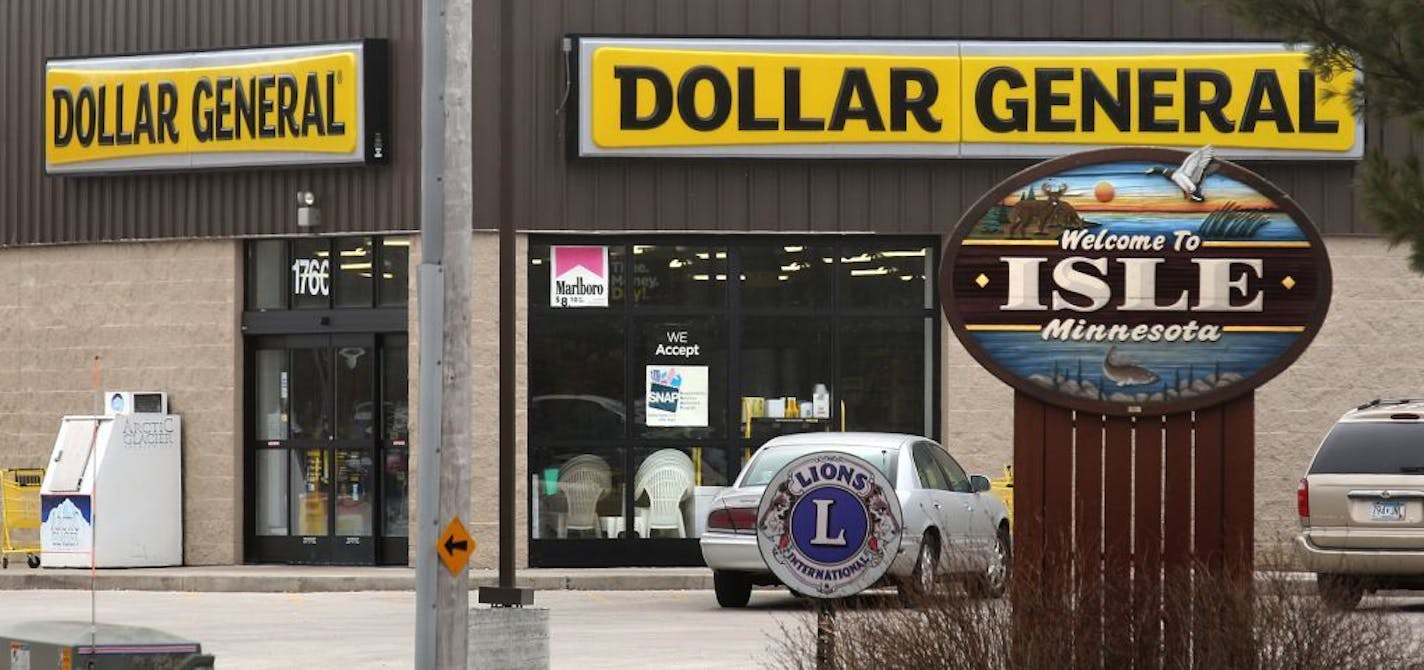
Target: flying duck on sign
[{"x": 1197, "y": 166}]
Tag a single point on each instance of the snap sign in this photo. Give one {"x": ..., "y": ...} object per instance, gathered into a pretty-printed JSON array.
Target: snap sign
[
  {"x": 1135, "y": 281},
  {"x": 829, "y": 525}
]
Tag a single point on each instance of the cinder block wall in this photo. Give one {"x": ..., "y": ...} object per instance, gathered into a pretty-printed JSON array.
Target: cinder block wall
[
  {"x": 1368, "y": 348},
  {"x": 158, "y": 316},
  {"x": 482, "y": 519}
]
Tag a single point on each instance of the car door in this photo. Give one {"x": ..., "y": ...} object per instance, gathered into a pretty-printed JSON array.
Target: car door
[
  {"x": 981, "y": 533},
  {"x": 939, "y": 504}
]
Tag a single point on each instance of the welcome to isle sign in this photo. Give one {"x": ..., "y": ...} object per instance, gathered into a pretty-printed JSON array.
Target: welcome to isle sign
[{"x": 1135, "y": 281}]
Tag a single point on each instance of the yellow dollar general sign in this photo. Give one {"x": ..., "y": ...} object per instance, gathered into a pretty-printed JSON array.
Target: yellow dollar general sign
[
  {"x": 947, "y": 99},
  {"x": 302, "y": 105}
]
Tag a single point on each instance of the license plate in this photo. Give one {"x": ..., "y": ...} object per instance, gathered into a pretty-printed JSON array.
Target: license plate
[{"x": 1387, "y": 510}]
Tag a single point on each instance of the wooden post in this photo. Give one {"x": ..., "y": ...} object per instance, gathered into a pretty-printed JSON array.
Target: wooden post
[{"x": 1110, "y": 511}]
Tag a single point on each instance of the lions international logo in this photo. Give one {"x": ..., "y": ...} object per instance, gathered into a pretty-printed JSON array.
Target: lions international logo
[{"x": 829, "y": 524}]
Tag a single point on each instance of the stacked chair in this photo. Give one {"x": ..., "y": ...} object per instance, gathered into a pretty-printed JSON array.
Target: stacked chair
[
  {"x": 584, "y": 480},
  {"x": 667, "y": 478}
]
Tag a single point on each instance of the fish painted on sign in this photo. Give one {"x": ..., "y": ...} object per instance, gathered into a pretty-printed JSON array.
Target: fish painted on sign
[{"x": 1124, "y": 372}]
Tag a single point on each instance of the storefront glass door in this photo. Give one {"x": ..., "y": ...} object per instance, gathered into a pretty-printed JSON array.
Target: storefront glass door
[
  {"x": 325, "y": 422},
  {"x": 327, "y": 376}
]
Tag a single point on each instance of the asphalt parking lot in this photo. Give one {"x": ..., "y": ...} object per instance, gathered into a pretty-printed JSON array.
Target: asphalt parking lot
[{"x": 590, "y": 629}]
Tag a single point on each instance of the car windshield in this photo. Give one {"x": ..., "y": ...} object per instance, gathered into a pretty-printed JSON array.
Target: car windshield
[
  {"x": 1376, "y": 448},
  {"x": 767, "y": 462}
]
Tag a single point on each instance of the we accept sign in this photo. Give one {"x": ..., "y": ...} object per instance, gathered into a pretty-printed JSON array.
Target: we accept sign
[{"x": 677, "y": 391}]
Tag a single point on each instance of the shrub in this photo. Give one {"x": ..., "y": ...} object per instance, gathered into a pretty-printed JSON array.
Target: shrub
[{"x": 1204, "y": 621}]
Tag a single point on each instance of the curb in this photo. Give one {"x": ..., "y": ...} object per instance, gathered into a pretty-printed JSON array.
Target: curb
[
  {"x": 290, "y": 579},
  {"x": 266, "y": 579}
]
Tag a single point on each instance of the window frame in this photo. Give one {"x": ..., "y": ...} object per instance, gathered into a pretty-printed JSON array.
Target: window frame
[{"x": 730, "y": 318}]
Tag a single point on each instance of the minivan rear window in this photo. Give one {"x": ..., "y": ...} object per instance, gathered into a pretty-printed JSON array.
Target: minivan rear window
[{"x": 1372, "y": 448}]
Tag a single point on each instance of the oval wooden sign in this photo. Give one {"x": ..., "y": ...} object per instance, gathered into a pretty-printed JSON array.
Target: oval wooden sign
[{"x": 1135, "y": 281}]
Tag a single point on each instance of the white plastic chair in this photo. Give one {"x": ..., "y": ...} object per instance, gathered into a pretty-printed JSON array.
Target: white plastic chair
[
  {"x": 583, "y": 481},
  {"x": 666, "y": 477},
  {"x": 658, "y": 459}
]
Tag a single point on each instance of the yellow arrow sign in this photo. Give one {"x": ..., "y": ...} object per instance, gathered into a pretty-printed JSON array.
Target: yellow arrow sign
[{"x": 455, "y": 546}]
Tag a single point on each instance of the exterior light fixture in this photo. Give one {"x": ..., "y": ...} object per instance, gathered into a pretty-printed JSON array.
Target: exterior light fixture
[{"x": 308, "y": 214}]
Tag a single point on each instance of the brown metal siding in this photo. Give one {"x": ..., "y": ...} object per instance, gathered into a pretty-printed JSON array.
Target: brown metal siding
[
  {"x": 553, "y": 192},
  {"x": 35, "y": 209}
]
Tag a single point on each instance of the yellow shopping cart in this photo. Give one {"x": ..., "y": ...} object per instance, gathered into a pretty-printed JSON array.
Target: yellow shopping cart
[{"x": 20, "y": 515}]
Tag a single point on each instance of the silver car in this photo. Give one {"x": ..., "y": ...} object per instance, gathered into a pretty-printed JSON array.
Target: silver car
[{"x": 953, "y": 526}]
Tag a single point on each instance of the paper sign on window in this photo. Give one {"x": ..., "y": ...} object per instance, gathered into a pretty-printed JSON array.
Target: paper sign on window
[
  {"x": 677, "y": 395},
  {"x": 579, "y": 276}
]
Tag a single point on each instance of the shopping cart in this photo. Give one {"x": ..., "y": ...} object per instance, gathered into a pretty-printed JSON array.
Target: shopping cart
[{"x": 20, "y": 515}]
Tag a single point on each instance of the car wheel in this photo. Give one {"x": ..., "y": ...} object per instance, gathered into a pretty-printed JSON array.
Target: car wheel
[
  {"x": 733, "y": 589},
  {"x": 924, "y": 578},
  {"x": 994, "y": 582},
  {"x": 1340, "y": 592}
]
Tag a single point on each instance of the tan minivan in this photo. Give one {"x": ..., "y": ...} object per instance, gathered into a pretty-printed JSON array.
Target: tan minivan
[{"x": 1361, "y": 504}]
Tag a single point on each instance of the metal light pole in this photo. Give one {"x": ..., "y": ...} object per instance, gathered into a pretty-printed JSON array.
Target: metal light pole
[
  {"x": 506, "y": 594},
  {"x": 431, "y": 293}
]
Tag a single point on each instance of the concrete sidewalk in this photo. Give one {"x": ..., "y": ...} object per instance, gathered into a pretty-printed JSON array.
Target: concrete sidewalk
[
  {"x": 316, "y": 579},
  {"x": 326, "y": 579}
]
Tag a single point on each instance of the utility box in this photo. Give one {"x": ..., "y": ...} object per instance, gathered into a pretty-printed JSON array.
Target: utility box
[
  {"x": 72, "y": 645},
  {"x": 112, "y": 495}
]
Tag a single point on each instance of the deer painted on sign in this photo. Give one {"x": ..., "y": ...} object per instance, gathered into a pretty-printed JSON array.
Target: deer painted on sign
[{"x": 1043, "y": 212}]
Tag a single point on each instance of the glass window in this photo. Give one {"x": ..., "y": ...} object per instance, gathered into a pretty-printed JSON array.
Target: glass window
[
  {"x": 354, "y": 488},
  {"x": 875, "y": 276},
  {"x": 395, "y": 389},
  {"x": 783, "y": 361},
  {"x": 829, "y": 332},
  {"x": 395, "y": 272},
  {"x": 267, "y": 275},
  {"x": 395, "y": 492},
  {"x": 679, "y": 275},
  {"x": 354, "y": 286},
  {"x": 576, "y": 380},
  {"x": 355, "y": 394},
  {"x": 786, "y": 275},
  {"x": 541, "y": 272},
  {"x": 953, "y": 474},
  {"x": 768, "y": 462},
  {"x": 682, "y": 392},
  {"x": 885, "y": 375},
  {"x": 311, "y": 393},
  {"x": 673, "y": 490},
  {"x": 310, "y": 505},
  {"x": 273, "y": 388},
  {"x": 310, "y": 274},
  {"x": 931, "y": 477},
  {"x": 271, "y": 492},
  {"x": 578, "y": 493},
  {"x": 1375, "y": 447}
]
